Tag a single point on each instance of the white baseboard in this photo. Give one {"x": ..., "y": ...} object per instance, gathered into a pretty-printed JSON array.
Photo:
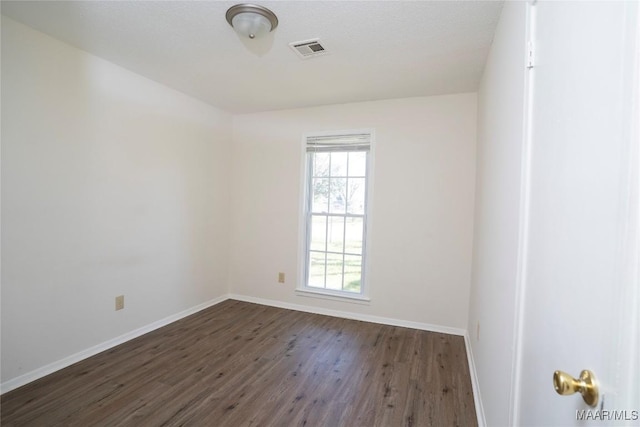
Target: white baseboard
[
  {"x": 477, "y": 399},
  {"x": 353, "y": 316},
  {"x": 92, "y": 351}
]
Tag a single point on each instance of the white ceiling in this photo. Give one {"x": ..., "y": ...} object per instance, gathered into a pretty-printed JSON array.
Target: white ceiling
[{"x": 378, "y": 49}]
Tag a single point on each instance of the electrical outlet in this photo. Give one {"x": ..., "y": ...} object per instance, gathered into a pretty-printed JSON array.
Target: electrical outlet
[
  {"x": 119, "y": 302},
  {"x": 280, "y": 277}
]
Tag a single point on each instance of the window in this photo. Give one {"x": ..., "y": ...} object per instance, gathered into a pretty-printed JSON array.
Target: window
[{"x": 335, "y": 211}]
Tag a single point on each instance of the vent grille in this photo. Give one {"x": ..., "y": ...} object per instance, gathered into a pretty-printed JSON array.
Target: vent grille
[{"x": 309, "y": 48}]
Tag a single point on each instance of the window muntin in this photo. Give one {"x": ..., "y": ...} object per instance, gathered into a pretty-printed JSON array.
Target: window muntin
[{"x": 336, "y": 213}]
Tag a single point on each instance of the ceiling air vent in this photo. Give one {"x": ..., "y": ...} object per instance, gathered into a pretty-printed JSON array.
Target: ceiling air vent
[{"x": 308, "y": 48}]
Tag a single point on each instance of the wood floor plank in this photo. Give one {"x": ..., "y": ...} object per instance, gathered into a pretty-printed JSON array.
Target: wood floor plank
[{"x": 243, "y": 364}]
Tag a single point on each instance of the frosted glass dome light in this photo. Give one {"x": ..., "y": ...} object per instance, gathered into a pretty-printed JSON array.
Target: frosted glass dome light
[{"x": 251, "y": 21}]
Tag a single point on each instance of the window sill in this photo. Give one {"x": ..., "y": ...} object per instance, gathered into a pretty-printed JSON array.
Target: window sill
[{"x": 355, "y": 299}]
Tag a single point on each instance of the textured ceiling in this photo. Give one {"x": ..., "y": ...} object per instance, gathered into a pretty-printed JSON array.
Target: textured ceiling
[{"x": 378, "y": 50}]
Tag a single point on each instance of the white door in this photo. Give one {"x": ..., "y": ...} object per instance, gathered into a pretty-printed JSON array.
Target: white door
[{"x": 580, "y": 295}]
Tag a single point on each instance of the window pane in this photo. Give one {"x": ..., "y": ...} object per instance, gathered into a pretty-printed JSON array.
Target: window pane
[
  {"x": 352, "y": 273},
  {"x": 335, "y": 214},
  {"x": 355, "y": 195},
  {"x": 337, "y": 195},
  {"x": 320, "y": 191},
  {"x": 316, "y": 269},
  {"x": 321, "y": 164},
  {"x": 318, "y": 233},
  {"x": 339, "y": 164},
  {"x": 336, "y": 234},
  {"x": 357, "y": 163},
  {"x": 334, "y": 272},
  {"x": 353, "y": 242}
]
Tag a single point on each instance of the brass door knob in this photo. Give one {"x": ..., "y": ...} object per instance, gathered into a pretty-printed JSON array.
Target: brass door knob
[{"x": 586, "y": 385}]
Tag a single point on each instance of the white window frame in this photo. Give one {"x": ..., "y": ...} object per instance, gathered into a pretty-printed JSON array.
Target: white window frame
[{"x": 305, "y": 227}]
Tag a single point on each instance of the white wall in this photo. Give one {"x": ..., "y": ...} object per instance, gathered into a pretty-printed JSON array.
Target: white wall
[
  {"x": 497, "y": 213},
  {"x": 111, "y": 184},
  {"x": 422, "y": 204}
]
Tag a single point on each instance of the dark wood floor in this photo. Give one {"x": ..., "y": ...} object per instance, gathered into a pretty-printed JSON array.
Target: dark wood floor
[{"x": 242, "y": 364}]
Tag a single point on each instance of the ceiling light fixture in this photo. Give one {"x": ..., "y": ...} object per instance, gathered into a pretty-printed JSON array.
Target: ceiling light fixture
[{"x": 250, "y": 20}]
